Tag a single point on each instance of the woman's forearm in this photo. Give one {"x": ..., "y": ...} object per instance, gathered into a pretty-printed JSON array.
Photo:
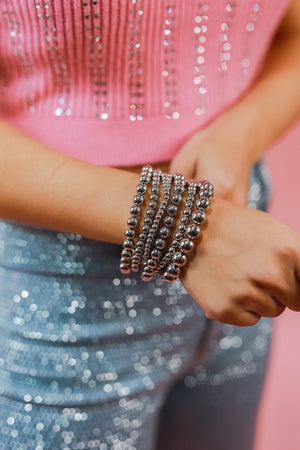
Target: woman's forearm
[
  {"x": 272, "y": 104},
  {"x": 46, "y": 188}
]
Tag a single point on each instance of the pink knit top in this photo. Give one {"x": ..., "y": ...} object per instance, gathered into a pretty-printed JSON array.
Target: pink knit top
[{"x": 123, "y": 82}]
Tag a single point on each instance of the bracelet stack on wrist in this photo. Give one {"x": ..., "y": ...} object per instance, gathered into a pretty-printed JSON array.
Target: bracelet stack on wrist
[{"x": 158, "y": 247}]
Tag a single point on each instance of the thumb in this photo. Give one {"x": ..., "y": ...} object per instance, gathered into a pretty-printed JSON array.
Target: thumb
[{"x": 185, "y": 165}]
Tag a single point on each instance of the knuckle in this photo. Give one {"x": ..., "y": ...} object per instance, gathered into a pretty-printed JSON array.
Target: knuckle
[
  {"x": 225, "y": 314},
  {"x": 221, "y": 315},
  {"x": 273, "y": 275},
  {"x": 295, "y": 306},
  {"x": 210, "y": 314},
  {"x": 253, "y": 320}
]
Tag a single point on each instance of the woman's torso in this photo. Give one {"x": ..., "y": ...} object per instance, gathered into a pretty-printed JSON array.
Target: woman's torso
[{"x": 124, "y": 82}]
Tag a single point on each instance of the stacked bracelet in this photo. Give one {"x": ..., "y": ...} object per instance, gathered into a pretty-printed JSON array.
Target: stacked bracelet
[
  {"x": 143, "y": 239},
  {"x": 157, "y": 249},
  {"x": 132, "y": 222},
  {"x": 158, "y": 243}
]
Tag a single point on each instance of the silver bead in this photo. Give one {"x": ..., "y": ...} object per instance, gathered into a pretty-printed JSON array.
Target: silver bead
[
  {"x": 160, "y": 243},
  {"x": 128, "y": 244},
  {"x": 181, "y": 228},
  {"x": 144, "y": 179},
  {"x": 124, "y": 269},
  {"x": 178, "y": 236},
  {"x": 198, "y": 216},
  {"x": 145, "y": 229},
  {"x": 141, "y": 188},
  {"x": 138, "y": 200},
  {"x": 193, "y": 231},
  {"x": 150, "y": 213},
  {"x": 203, "y": 202},
  {"x": 152, "y": 263},
  {"x": 184, "y": 220},
  {"x": 176, "y": 199},
  {"x": 155, "y": 190},
  {"x": 179, "y": 189},
  {"x": 147, "y": 168},
  {"x": 140, "y": 244},
  {"x": 147, "y": 270},
  {"x": 132, "y": 222},
  {"x": 164, "y": 232},
  {"x": 147, "y": 220},
  {"x": 146, "y": 277},
  {"x": 126, "y": 254},
  {"x": 172, "y": 210},
  {"x": 135, "y": 210},
  {"x": 130, "y": 233},
  {"x": 204, "y": 183},
  {"x": 143, "y": 237},
  {"x": 156, "y": 254},
  {"x": 153, "y": 197},
  {"x": 189, "y": 204},
  {"x": 187, "y": 212},
  {"x": 152, "y": 205},
  {"x": 179, "y": 259},
  {"x": 173, "y": 270},
  {"x": 186, "y": 245},
  {"x": 169, "y": 278},
  {"x": 168, "y": 221}
]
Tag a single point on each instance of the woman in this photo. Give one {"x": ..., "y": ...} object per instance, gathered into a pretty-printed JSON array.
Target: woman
[{"x": 91, "y": 92}]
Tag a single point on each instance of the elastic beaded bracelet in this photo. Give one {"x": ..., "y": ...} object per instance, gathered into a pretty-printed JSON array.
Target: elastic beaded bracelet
[
  {"x": 140, "y": 245},
  {"x": 178, "y": 189},
  {"x": 172, "y": 272},
  {"x": 132, "y": 222},
  {"x": 148, "y": 270},
  {"x": 168, "y": 265}
]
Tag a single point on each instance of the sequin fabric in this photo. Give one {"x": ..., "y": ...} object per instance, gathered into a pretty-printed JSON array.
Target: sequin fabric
[{"x": 88, "y": 356}]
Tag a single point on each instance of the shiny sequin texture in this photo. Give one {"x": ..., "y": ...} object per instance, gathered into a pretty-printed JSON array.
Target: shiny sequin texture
[{"x": 88, "y": 356}]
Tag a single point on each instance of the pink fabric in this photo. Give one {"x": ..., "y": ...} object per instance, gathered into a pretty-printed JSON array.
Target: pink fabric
[{"x": 123, "y": 82}]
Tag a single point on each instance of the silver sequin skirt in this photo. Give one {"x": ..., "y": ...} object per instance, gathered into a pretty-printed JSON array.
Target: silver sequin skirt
[{"x": 93, "y": 359}]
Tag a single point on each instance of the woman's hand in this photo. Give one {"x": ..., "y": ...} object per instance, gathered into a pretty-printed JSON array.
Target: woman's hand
[
  {"x": 224, "y": 162},
  {"x": 246, "y": 265}
]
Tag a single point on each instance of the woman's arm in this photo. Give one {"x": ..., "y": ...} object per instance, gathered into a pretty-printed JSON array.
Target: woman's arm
[
  {"x": 42, "y": 187},
  {"x": 225, "y": 150},
  {"x": 45, "y": 188}
]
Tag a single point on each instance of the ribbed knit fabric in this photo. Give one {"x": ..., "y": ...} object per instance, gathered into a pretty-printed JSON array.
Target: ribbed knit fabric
[{"x": 122, "y": 82}]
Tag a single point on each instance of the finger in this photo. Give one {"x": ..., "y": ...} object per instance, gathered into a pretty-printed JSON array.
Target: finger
[
  {"x": 281, "y": 285},
  {"x": 184, "y": 165},
  {"x": 241, "y": 319},
  {"x": 233, "y": 315},
  {"x": 295, "y": 246},
  {"x": 272, "y": 307}
]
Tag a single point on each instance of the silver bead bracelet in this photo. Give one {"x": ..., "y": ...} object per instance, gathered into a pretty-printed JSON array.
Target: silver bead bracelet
[{"x": 150, "y": 253}]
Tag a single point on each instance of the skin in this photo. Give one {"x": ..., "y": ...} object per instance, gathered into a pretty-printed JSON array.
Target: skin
[{"x": 248, "y": 260}]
